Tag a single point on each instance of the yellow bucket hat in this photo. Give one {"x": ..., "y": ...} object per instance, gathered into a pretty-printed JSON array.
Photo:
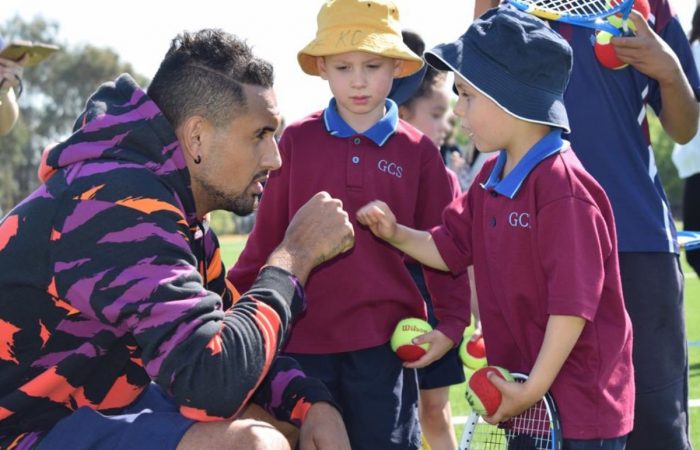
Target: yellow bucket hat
[{"x": 370, "y": 26}]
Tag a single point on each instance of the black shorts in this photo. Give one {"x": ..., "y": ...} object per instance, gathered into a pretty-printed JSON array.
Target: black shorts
[{"x": 447, "y": 370}]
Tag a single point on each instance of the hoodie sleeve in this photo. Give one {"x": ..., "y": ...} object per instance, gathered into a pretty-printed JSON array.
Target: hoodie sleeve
[{"x": 122, "y": 257}]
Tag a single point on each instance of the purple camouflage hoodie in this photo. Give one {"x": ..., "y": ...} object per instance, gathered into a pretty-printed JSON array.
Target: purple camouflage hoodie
[{"x": 108, "y": 281}]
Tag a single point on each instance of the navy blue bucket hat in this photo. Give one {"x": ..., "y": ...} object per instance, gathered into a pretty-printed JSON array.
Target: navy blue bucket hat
[
  {"x": 404, "y": 88},
  {"x": 516, "y": 60}
]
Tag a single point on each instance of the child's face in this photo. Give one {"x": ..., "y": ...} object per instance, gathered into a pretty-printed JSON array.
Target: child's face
[
  {"x": 429, "y": 113},
  {"x": 485, "y": 122},
  {"x": 360, "y": 83}
]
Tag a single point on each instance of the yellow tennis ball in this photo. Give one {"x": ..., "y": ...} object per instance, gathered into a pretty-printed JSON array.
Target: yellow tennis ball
[
  {"x": 405, "y": 331},
  {"x": 616, "y": 21}
]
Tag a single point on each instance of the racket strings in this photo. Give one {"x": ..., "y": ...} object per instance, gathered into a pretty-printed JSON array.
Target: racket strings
[
  {"x": 579, "y": 8},
  {"x": 530, "y": 430}
]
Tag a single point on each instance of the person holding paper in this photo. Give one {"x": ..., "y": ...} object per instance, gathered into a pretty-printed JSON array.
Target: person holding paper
[{"x": 10, "y": 79}]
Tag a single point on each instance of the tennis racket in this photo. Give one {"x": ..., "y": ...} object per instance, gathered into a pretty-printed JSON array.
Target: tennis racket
[
  {"x": 536, "y": 428},
  {"x": 584, "y": 13}
]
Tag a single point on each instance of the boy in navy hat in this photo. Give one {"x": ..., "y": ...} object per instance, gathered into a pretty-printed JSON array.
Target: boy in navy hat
[
  {"x": 359, "y": 149},
  {"x": 538, "y": 229}
]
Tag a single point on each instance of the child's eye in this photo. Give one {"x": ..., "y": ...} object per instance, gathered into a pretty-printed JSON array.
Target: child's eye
[
  {"x": 341, "y": 68},
  {"x": 373, "y": 66}
]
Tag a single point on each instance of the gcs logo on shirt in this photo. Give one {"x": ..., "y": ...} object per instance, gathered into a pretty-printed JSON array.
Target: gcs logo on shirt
[
  {"x": 390, "y": 168},
  {"x": 519, "y": 220}
]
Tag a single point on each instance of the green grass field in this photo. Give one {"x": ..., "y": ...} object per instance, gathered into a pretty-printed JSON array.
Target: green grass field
[{"x": 232, "y": 246}]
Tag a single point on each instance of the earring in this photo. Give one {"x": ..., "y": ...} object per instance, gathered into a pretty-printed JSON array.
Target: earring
[{"x": 198, "y": 159}]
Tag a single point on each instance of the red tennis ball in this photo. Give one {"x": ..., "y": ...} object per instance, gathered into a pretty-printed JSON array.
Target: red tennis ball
[
  {"x": 605, "y": 51},
  {"x": 641, "y": 6},
  {"x": 482, "y": 395},
  {"x": 473, "y": 353},
  {"x": 405, "y": 331}
]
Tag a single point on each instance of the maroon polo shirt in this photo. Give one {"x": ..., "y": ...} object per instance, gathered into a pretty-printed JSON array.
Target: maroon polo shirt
[
  {"x": 355, "y": 300},
  {"x": 549, "y": 250}
]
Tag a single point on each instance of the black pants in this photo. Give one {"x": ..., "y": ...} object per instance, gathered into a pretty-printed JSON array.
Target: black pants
[
  {"x": 691, "y": 215},
  {"x": 652, "y": 284}
]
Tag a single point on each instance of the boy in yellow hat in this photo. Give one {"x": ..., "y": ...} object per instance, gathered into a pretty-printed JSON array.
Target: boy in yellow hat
[{"x": 358, "y": 149}]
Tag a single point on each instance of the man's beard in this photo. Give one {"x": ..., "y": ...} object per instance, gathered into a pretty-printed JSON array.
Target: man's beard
[{"x": 241, "y": 205}]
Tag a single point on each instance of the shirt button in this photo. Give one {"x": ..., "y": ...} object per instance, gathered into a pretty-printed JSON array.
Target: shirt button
[
  {"x": 493, "y": 221},
  {"x": 357, "y": 140},
  {"x": 355, "y": 159}
]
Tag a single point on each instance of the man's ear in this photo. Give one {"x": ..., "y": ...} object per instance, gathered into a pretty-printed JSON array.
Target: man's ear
[
  {"x": 191, "y": 134},
  {"x": 321, "y": 66},
  {"x": 398, "y": 67}
]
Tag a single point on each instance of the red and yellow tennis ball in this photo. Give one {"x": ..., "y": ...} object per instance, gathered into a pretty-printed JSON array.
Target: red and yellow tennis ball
[
  {"x": 482, "y": 395},
  {"x": 405, "y": 331},
  {"x": 605, "y": 52},
  {"x": 473, "y": 353},
  {"x": 641, "y": 6}
]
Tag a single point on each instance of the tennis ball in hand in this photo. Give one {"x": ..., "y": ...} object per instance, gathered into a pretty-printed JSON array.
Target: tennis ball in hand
[
  {"x": 405, "y": 331},
  {"x": 473, "y": 353},
  {"x": 641, "y": 6},
  {"x": 482, "y": 395},
  {"x": 605, "y": 51}
]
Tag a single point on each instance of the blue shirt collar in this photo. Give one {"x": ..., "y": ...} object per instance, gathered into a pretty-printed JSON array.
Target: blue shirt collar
[
  {"x": 378, "y": 133},
  {"x": 510, "y": 185}
]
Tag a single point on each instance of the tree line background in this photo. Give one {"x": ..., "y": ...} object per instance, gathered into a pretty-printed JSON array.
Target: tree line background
[{"x": 55, "y": 92}]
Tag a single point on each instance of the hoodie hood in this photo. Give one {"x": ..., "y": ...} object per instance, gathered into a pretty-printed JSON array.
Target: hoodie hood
[{"x": 120, "y": 122}]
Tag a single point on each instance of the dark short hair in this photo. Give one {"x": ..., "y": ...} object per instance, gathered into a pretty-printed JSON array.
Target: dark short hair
[
  {"x": 432, "y": 78},
  {"x": 203, "y": 72}
]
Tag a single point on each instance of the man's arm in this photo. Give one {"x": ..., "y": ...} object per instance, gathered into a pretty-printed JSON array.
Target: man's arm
[
  {"x": 142, "y": 279},
  {"x": 652, "y": 56},
  {"x": 481, "y": 6},
  {"x": 10, "y": 75}
]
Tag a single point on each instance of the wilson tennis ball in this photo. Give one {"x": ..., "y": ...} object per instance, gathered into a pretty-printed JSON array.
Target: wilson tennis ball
[
  {"x": 473, "y": 353},
  {"x": 405, "y": 331},
  {"x": 482, "y": 394}
]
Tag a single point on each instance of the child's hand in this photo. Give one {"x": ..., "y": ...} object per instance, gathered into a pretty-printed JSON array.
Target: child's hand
[
  {"x": 439, "y": 345},
  {"x": 516, "y": 398},
  {"x": 378, "y": 217},
  {"x": 477, "y": 333}
]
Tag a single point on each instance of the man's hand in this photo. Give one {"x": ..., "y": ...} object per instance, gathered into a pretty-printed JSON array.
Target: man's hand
[
  {"x": 647, "y": 52},
  {"x": 323, "y": 429},
  {"x": 439, "y": 345},
  {"x": 319, "y": 231},
  {"x": 11, "y": 73}
]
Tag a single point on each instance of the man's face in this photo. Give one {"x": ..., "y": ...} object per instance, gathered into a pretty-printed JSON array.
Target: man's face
[{"x": 238, "y": 157}]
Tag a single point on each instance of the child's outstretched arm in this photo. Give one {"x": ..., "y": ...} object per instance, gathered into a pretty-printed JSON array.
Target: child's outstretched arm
[
  {"x": 417, "y": 244},
  {"x": 559, "y": 339}
]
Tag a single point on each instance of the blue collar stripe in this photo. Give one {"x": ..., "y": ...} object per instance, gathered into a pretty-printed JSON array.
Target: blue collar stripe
[
  {"x": 377, "y": 133},
  {"x": 549, "y": 145}
]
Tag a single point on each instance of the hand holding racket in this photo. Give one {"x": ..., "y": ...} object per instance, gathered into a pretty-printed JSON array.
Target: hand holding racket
[
  {"x": 536, "y": 428},
  {"x": 584, "y": 13}
]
